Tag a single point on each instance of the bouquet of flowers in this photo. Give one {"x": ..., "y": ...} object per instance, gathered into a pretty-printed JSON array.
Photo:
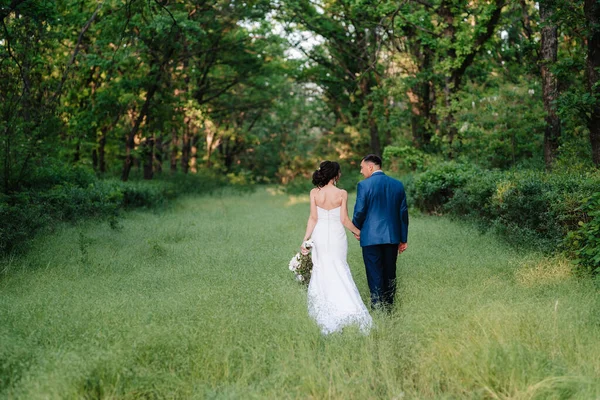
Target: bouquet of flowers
[{"x": 301, "y": 264}]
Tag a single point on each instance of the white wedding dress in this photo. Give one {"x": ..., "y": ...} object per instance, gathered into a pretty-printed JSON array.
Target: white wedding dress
[{"x": 333, "y": 299}]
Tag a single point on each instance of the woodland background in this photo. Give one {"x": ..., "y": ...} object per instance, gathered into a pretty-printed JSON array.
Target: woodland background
[{"x": 488, "y": 110}]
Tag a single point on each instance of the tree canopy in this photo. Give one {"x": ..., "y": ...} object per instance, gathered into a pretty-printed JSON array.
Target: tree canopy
[{"x": 265, "y": 89}]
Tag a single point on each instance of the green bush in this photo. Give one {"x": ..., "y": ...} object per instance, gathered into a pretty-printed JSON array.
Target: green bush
[
  {"x": 53, "y": 173},
  {"x": 473, "y": 197},
  {"x": 529, "y": 208},
  {"x": 405, "y": 158},
  {"x": 56, "y": 194},
  {"x": 19, "y": 220},
  {"x": 434, "y": 188},
  {"x": 584, "y": 242}
]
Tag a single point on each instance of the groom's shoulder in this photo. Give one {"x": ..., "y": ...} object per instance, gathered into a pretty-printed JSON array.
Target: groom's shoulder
[{"x": 394, "y": 181}]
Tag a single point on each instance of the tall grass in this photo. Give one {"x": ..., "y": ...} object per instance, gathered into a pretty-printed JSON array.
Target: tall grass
[{"x": 197, "y": 302}]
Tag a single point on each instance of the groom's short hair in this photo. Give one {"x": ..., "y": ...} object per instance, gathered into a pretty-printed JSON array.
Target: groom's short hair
[{"x": 375, "y": 159}]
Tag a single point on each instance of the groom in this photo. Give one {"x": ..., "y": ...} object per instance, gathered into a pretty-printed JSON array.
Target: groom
[{"x": 381, "y": 215}]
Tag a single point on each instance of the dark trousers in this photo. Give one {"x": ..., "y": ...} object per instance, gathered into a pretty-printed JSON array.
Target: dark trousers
[{"x": 380, "y": 263}]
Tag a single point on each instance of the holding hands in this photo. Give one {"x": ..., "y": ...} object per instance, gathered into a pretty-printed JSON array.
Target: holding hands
[{"x": 402, "y": 247}]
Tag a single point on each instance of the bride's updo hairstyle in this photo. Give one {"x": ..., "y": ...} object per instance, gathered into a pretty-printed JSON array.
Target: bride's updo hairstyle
[{"x": 326, "y": 172}]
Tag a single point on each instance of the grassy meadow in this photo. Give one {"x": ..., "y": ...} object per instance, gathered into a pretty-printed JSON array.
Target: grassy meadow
[{"x": 197, "y": 302}]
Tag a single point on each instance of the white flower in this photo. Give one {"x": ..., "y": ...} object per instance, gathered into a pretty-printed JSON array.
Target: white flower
[
  {"x": 299, "y": 277},
  {"x": 294, "y": 263},
  {"x": 308, "y": 244}
]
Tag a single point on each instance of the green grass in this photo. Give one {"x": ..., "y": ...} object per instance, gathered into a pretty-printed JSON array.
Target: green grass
[{"x": 197, "y": 302}]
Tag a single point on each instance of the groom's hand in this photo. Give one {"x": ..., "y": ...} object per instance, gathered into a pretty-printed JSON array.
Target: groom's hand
[{"x": 402, "y": 247}]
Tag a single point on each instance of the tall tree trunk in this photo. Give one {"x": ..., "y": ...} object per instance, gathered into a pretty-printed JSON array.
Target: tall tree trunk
[
  {"x": 185, "y": 148},
  {"x": 421, "y": 118},
  {"x": 174, "y": 150},
  {"x": 210, "y": 131},
  {"x": 549, "y": 84},
  {"x": 592, "y": 14},
  {"x": 449, "y": 126},
  {"x": 159, "y": 148},
  {"x": 419, "y": 95},
  {"x": 371, "y": 121},
  {"x": 95, "y": 159},
  {"x": 373, "y": 129},
  {"x": 77, "y": 155},
  {"x": 194, "y": 155},
  {"x": 102, "y": 150},
  {"x": 7, "y": 152},
  {"x": 149, "y": 158},
  {"x": 130, "y": 140}
]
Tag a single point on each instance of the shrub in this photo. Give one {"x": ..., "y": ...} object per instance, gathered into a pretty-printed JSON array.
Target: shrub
[
  {"x": 59, "y": 194},
  {"x": 473, "y": 197},
  {"x": 435, "y": 187},
  {"x": 584, "y": 242},
  {"x": 529, "y": 208},
  {"x": 405, "y": 158}
]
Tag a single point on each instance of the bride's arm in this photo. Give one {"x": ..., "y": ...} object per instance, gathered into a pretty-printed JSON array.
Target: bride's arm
[
  {"x": 312, "y": 218},
  {"x": 344, "y": 215}
]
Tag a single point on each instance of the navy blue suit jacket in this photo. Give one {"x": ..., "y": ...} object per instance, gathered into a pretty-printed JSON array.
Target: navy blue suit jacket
[{"x": 381, "y": 212}]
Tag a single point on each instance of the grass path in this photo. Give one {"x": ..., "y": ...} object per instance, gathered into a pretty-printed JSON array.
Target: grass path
[{"x": 197, "y": 302}]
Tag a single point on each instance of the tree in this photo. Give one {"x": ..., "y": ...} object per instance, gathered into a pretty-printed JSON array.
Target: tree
[
  {"x": 592, "y": 15},
  {"x": 548, "y": 58},
  {"x": 346, "y": 65}
]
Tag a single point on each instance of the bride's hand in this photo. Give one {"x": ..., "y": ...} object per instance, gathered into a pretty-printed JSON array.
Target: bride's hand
[
  {"x": 356, "y": 235},
  {"x": 303, "y": 249}
]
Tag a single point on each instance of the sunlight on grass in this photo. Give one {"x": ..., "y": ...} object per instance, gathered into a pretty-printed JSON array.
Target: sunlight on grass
[
  {"x": 544, "y": 271},
  {"x": 197, "y": 302},
  {"x": 293, "y": 200}
]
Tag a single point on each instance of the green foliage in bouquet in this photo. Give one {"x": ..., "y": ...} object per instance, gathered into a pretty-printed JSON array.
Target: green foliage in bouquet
[{"x": 301, "y": 264}]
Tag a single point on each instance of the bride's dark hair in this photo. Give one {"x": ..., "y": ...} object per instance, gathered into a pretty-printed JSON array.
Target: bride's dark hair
[{"x": 326, "y": 172}]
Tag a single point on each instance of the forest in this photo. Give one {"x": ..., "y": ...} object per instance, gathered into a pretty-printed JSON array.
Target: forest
[{"x": 487, "y": 109}]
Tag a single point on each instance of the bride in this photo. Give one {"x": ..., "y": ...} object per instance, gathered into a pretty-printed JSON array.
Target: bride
[{"x": 333, "y": 299}]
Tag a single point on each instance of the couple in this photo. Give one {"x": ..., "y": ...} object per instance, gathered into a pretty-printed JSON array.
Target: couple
[{"x": 380, "y": 222}]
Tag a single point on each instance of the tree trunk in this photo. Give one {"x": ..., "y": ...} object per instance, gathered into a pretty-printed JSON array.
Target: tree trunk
[
  {"x": 149, "y": 158},
  {"x": 449, "y": 120},
  {"x": 95, "y": 159},
  {"x": 419, "y": 96},
  {"x": 549, "y": 84},
  {"x": 159, "y": 148},
  {"x": 185, "y": 149},
  {"x": 210, "y": 131},
  {"x": 174, "y": 151},
  {"x": 373, "y": 129},
  {"x": 194, "y": 155},
  {"x": 77, "y": 155},
  {"x": 421, "y": 117},
  {"x": 102, "y": 151},
  {"x": 592, "y": 14},
  {"x": 7, "y": 152},
  {"x": 371, "y": 121},
  {"x": 129, "y": 142}
]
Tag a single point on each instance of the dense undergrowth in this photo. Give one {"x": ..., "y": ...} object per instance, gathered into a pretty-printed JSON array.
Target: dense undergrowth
[
  {"x": 56, "y": 194},
  {"x": 544, "y": 211}
]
